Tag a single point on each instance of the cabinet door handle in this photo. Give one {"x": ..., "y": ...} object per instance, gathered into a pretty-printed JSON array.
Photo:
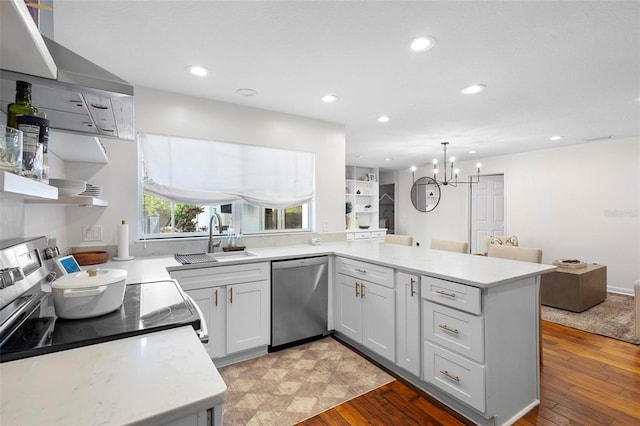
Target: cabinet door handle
[
  {"x": 230, "y": 294},
  {"x": 449, "y": 329},
  {"x": 216, "y": 298},
  {"x": 446, "y": 293},
  {"x": 357, "y": 289},
  {"x": 361, "y": 290},
  {"x": 364, "y": 271},
  {"x": 449, "y": 375},
  {"x": 412, "y": 290}
]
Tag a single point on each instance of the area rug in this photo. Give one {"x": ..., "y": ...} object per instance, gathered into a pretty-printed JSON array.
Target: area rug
[
  {"x": 286, "y": 387},
  {"x": 612, "y": 318}
]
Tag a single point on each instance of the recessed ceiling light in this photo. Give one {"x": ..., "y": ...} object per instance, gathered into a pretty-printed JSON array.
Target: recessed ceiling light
[
  {"x": 197, "y": 70},
  {"x": 329, "y": 98},
  {"x": 387, "y": 159},
  {"x": 246, "y": 92},
  {"x": 474, "y": 88},
  {"x": 555, "y": 138},
  {"x": 472, "y": 152},
  {"x": 422, "y": 44},
  {"x": 383, "y": 118}
]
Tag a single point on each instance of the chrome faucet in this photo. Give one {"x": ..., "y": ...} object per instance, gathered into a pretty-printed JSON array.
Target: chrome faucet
[{"x": 211, "y": 243}]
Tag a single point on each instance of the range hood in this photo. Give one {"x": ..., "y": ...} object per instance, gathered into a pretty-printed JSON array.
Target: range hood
[{"x": 77, "y": 95}]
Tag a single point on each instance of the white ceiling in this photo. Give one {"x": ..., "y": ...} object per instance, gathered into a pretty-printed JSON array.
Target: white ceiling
[{"x": 569, "y": 68}]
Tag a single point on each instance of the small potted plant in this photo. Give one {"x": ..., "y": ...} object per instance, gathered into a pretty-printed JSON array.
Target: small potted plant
[
  {"x": 367, "y": 207},
  {"x": 348, "y": 207}
]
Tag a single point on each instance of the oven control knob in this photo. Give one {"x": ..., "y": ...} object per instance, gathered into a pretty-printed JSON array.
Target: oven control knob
[
  {"x": 10, "y": 276},
  {"x": 50, "y": 252}
]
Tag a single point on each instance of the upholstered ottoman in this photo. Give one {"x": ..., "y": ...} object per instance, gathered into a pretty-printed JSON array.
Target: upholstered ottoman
[{"x": 574, "y": 289}]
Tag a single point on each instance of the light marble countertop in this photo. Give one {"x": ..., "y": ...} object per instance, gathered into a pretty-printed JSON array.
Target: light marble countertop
[
  {"x": 150, "y": 379},
  {"x": 477, "y": 271},
  {"x": 166, "y": 375}
]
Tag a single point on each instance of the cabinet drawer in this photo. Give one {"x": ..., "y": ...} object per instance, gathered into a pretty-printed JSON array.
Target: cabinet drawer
[
  {"x": 378, "y": 234},
  {"x": 367, "y": 271},
  {"x": 458, "y": 331},
  {"x": 459, "y": 296},
  {"x": 192, "y": 279},
  {"x": 362, "y": 235},
  {"x": 459, "y": 377}
]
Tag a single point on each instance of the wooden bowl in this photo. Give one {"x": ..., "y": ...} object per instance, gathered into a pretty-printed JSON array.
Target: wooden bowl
[{"x": 91, "y": 257}]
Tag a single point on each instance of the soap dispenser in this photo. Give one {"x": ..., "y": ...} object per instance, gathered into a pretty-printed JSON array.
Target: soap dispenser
[
  {"x": 239, "y": 239},
  {"x": 231, "y": 238}
]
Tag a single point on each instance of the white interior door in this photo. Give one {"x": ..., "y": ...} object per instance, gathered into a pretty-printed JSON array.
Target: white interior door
[{"x": 487, "y": 210}]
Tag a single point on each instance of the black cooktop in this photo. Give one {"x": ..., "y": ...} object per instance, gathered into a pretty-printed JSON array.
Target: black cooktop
[{"x": 147, "y": 307}]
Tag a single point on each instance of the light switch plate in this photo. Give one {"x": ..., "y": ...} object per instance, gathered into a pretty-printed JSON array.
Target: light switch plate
[{"x": 92, "y": 233}]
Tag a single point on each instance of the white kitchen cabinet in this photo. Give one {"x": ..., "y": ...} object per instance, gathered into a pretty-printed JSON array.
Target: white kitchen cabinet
[
  {"x": 349, "y": 308},
  {"x": 378, "y": 314},
  {"x": 208, "y": 300},
  {"x": 248, "y": 315},
  {"x": 211, "y": 417},
  {"x": 408, "y": 322},
  {"x": 366, "y": 310},
  {"x": 235, "y": 301},
  {"x": 367, "y": 271},
  {"x": 480, "y": 346},
  {"x": 366, "y": 235}
]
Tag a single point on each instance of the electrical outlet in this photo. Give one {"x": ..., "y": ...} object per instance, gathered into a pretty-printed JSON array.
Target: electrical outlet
[
  {"x": 325, "y": 226},
  {"x": 92, "y": 233}
]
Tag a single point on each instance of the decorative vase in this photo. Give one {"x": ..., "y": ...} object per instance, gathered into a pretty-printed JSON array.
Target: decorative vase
[{"x": 346, "y": 220}]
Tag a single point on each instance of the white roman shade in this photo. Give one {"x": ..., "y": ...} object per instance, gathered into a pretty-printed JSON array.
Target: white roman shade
[{"x": 209, "y": 172}]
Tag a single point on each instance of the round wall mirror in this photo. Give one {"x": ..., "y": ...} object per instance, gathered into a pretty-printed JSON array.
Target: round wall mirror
[{"x": 425, "y": 194}]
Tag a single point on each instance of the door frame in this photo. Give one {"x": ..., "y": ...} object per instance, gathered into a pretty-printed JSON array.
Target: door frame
[{"x": 504, "y": 204}]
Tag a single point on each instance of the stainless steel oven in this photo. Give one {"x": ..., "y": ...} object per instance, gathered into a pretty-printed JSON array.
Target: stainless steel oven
[{"x": 29, "y": 325}]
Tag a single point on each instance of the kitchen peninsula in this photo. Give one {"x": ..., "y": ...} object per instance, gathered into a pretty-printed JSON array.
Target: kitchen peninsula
[{"x": 494, "y": 381}]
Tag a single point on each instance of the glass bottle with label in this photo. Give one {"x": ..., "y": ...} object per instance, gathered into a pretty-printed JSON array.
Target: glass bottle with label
[{"x": 22, "y": 105}]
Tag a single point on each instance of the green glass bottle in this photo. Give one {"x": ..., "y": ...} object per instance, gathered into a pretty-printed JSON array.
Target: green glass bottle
[{"x": 22, "y": 105}]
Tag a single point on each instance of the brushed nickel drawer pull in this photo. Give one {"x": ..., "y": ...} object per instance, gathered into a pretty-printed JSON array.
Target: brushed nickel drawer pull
[
  {"x": 216, "y": 302},
  {"x": 449, "y": 375},
  {"x": 360, "y": 270},
  {"x": 357, "y": 289},
  {"x": 446, "y": 293},
  {"x": 361, "y": 291},
  {"x": 412, "y": 290},
  {"x": 446, "y": 327},
  {"x": 231, "y": 295}
]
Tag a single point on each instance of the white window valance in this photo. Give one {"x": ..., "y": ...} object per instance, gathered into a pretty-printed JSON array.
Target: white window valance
[{"x": 210, "y": 172}]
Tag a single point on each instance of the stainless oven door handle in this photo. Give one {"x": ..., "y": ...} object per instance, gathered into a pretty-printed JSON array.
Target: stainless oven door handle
[{"x": 203, "y": 333}]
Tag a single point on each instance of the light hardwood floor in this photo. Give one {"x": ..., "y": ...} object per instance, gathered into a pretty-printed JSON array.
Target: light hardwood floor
[{"x": 586, "y": 379}]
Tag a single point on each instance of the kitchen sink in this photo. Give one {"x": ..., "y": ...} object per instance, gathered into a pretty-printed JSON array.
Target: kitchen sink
[
  {"x": 230, "y": 255},
  {"x": 197, "y": 258}
]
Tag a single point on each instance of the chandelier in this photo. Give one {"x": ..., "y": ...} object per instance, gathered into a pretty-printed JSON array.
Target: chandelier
[{"x": 453, "y": 173}]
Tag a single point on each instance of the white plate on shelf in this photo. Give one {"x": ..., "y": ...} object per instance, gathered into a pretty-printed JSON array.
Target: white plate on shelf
[
  {"x": 69, "y": 192},
  {"x": 92, "y": 191},
  {"x": 68, "y": 187},
  {"x": 66, "y": 182}
]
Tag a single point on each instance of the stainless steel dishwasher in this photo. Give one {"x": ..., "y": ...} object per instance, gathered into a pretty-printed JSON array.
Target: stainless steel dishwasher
[{"x": 299, "y": 300}]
